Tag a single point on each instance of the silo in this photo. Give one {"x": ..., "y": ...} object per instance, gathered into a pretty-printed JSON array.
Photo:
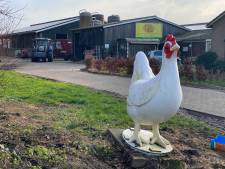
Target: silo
[
  {"x": 113, "y": 18},
  {"x": 98, "y": 17},
  {"x": 85, "y": 19}
]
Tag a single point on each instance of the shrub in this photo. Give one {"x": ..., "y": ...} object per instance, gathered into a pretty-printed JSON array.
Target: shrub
[
  {"x": 219, "y": 65},
  {"x": 201, "y": 73},
  {"x": 188, "y": 72},
  {"x": 108, "y": 64},
  {"x": 88, "y": 62},
  {"x": 207, "y": 60},
  {"x": 129, "y": 63},
  {"x": 120, "y": 63},
  {"x": 98, "y": 64}
]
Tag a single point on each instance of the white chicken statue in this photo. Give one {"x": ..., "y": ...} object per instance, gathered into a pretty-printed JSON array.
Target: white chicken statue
[{"x": 154, "y": 99}]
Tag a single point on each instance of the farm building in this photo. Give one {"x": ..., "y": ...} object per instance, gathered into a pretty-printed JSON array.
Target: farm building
[
  {"x": 57, "y": 29},
  {"x": 204, "y": 37},
  {"x": 196, "y": 42},
  {"x": 123, "y": 38},
  {"x": 218, "y": 35}
]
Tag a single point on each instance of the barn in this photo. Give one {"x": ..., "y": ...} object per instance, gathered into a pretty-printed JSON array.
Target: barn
[
  {"x": 123, "y": 38},
  {"x": 218, "y": 35},
  {"x": 196, "y": 42},
  {"x": 57, "y": 29}
]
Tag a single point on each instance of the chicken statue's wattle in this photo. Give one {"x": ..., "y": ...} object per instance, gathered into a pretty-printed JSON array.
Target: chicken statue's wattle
[{"x": 154, "y": 99}]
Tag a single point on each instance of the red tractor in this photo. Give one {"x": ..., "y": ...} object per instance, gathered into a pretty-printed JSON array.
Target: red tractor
[{"x": 62, "y": 49}]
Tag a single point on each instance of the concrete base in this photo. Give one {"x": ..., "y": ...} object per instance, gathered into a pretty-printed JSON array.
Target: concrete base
[
  {"x": 147, "y": 148},
  {"x": 135, "y": 159}
]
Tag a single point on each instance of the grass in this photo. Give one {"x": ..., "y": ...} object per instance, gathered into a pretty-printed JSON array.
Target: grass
[
  {"x": 207, "y": 83},
  {"x": 79, "y": 113},
  {"x": 220, "y": 83},
  {"x": 89, "y": 107}
]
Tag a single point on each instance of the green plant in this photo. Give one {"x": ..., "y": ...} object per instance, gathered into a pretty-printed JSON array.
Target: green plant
[
  {"x": 207, "y": 60},
  {"x": 201, "y": 73},
  {"x": 219, "y": 65},
  {"x": 187, "y": 71}
]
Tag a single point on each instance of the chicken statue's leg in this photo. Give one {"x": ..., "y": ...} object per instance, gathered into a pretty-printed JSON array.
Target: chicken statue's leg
[
  {"x": 157, "y": 138},
  {"x": 135, "y": 137}
]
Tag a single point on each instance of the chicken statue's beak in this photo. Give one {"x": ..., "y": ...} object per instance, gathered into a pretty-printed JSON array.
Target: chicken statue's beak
[{"x": 175, "y": 47}]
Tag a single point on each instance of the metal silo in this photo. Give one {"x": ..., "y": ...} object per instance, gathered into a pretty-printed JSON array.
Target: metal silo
[
  {"x": 113, "y": 18},
  {"x": 99, "y": 17},
  {"x": 85, "y": 19}
]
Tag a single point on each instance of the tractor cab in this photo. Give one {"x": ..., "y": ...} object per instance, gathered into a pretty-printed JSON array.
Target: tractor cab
[{"x": 42, "y": 50}]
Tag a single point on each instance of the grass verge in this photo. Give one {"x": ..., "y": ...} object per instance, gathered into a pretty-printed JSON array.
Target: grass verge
[{"x": 50, "y": 124}]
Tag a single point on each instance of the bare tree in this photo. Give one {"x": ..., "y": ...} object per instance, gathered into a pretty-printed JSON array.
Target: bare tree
[{"x": 9, "y": 17}]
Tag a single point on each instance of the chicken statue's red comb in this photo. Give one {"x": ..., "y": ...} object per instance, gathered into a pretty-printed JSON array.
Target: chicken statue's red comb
[
  {"x": 171, "y": 39},
  {"x": 169, "y": 42}
]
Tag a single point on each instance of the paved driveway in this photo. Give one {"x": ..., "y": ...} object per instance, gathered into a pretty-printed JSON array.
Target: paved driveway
[{"x": 202, "y": 100}]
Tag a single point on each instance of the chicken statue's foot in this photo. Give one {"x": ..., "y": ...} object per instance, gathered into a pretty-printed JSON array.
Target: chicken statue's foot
[
  {"x": 157, "y": 138},
  {"x": 135, "y": 138}
]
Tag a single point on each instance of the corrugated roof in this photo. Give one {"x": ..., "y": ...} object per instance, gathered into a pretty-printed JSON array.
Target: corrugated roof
[
  {"x": 196, "y": 35},
  {"x": 123, "y": 22},
  {"x": 197, "y": 26},
  {"x": 46, "y": 25}
]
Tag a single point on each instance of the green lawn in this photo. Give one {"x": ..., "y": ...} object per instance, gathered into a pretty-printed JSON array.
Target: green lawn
[
  {"x": 95, "y": 107},
  {"x": 220, "y": 82},
  {"x": 210, "y": 83},
  {"x": 77, "y": 115}
]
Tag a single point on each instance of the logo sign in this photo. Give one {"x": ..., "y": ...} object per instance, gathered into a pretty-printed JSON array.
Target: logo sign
[{"x": 149, "y": 30}]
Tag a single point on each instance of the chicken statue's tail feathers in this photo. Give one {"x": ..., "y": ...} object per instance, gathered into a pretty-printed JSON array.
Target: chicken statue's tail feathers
[{"x": 142, "y": 70}]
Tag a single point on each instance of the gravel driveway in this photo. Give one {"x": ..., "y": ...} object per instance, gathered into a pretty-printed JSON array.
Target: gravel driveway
[{"x": 202, "y": 100}]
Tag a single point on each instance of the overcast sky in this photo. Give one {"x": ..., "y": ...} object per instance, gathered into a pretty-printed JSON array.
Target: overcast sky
[{"x": 178, "y": 11}]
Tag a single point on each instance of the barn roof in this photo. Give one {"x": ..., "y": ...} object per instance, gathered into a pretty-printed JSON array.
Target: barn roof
[
  {"x": 36, "y": 28},
  {"x": 196, "y": 35},
  {"x": 220, "y": 16},
  {"x": 196, "y": 26},
  {"x": 123, "y": 22}
]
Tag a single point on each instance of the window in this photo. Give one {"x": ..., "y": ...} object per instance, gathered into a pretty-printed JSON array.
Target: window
[{"x": 208, "y": 45}]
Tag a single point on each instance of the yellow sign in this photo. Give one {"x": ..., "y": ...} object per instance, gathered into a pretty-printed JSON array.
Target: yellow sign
[{"x": 149, "y": 30}]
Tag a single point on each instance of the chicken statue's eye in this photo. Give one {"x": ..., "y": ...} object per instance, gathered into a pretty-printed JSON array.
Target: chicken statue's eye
[{"x": 167, "y": 51}]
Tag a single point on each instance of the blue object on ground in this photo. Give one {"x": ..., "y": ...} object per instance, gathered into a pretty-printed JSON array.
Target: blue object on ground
[{"x": 218, "y": 140}]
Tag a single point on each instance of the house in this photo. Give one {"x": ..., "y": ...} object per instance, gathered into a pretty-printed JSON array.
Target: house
[
  {"x": 196, "y": 42},
  {"x": 124, "y": 38},
  {"x": 57, "y": 29},
  {"x": 218, "y": 35}
]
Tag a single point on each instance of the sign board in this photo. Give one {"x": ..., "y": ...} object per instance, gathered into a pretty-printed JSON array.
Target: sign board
[
  {"x": 106, "y": 46},
  {"x": 149, "y": 30}
]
